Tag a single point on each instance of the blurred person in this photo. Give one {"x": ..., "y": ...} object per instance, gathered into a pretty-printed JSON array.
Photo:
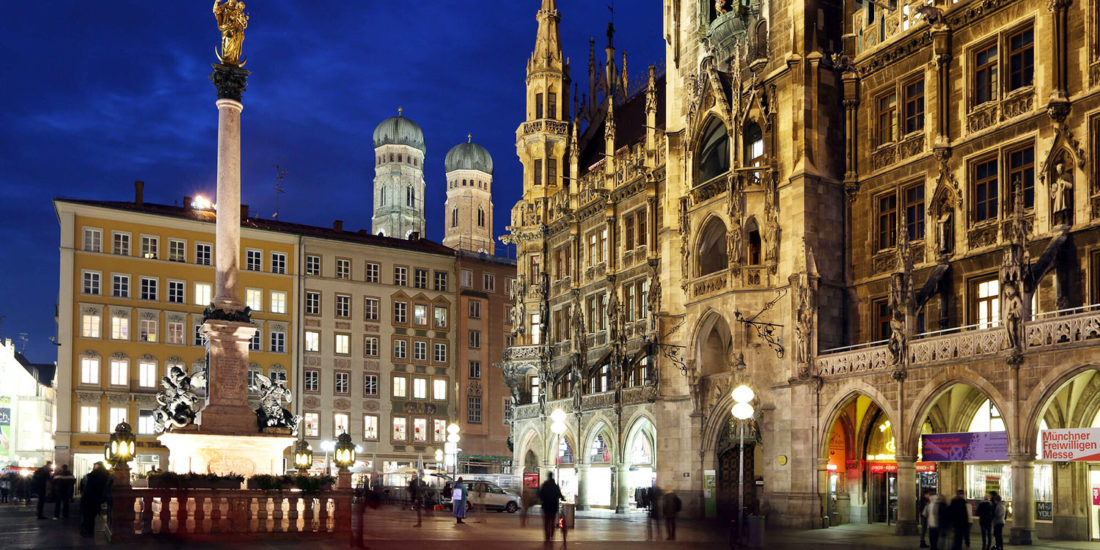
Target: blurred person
[
  {"x": 95, "y": 490},
  {"x": 923, "y": 519},
  {"x": 998, "y": 521},
  {"x": 959, "y": 518},
  {"x": 41, "y": 484},
  {"x": 61, "y": 486},
  {"x": 653, "y": 515},
  {"x": 670, "y": 506},
  {"x": 550, "y": 496},
  {"x": 459, "y": 498},
  {"x": 985, "y": 520}
]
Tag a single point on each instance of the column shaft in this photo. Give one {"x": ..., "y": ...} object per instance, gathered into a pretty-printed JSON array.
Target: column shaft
[
  {"x": 1023, "y": 499},
  {"x": 228, "y": 243},
  {"x": 907, "y": 496}
]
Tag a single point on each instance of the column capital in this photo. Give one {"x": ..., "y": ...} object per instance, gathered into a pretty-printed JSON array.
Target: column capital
[
  {"x": 905, "y": 459},
  {"x": 1023, "y": 459},
  {"x": 229, "y": 80}
]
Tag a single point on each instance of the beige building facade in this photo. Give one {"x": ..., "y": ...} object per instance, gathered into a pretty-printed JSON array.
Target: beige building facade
[{"x": 841, "y": 233}]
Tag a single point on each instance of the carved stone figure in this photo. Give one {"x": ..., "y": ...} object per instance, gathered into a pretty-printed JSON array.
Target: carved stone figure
[
  {"x": 734, "y": 245},
  {"x": 803, "y": 327},
  {"x": 685, "y": 246},
  {"x": 1061, "y": 194},
  {"x": 176, "y": 402},
  {"x": 271, "y": 413},
  {"x": 944, "y": 228},
  {"x": 232, "y": 20},
  {"x": 1014, "y": 314},
  {"x": 614, "y": 315},
  {"x": 897, "y": 304},
  {"x": 513, "y": 382},
  {"x": 771, "y": 236}
]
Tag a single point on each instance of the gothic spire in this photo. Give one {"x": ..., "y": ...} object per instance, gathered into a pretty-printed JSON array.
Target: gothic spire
[{"x": 547, "y": 53}]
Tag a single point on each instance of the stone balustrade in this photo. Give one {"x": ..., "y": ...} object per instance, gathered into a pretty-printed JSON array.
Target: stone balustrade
[
  {"x": 1042, "y": 334},
  {"x": 149, "y": 514},
  {"x": 524, "y": 412}
]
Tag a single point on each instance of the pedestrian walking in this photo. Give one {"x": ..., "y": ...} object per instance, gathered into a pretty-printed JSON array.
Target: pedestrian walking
[
  {"x": 550, "y": 496},
  {"x": 653, "y": 514},
  {"x": 41, "y": 483},
  {"x": 998, "y": 521},
  {"x": 923, "y": 518},
  {"x": 414, "y": 497},
  {"x": 959, "y": 518},
  {"x": 529, "y": 498},
  {"x": 985, "y": 520},
  {"x": 61, "y": 486},
  {"x": 459, "y": 498},
  {"x": 670, "y": 506},
  {"x": 95, "y": 487},
  {"x": 934, "y": 516}
]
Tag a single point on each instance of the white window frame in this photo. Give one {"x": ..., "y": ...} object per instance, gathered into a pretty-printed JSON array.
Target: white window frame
[
  {"x": 278, "y": 301},
  {"x": 278, "y": 263},
  {"x": 313, "y": 341},
  {"x": 174, "y": 246},
  {"x": 89, "y": 371},
  {"x": 91, "y": 282},
  {"x": 96, "y": 235},
  {"x": 91, "y": 325},
  {"x": 253, "y": 259},
  {"x": 147, "y": 374},
  {"x": 342, "y": 344},
  {"x": 179, "y": 289},
  {"x": 204, "y": 294},
  {"x": 204, "y": 254},
  {"x": 89, "y": 419},
  {"x": 254, "y": 298},
  {"x": 439, "y": 389},
  {"x": 150, "y": 289}
]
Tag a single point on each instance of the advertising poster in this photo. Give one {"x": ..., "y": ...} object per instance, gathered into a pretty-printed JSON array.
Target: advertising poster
[
  {"x": 531, "y": 480},
  {"x": 993, "y": 484},
  {"x": 1096, "y": 496},
  {"x": 1071, "y": 445},
  {"x": 710, "y": 496},
  {"x": 964, "y": 447},
  {"x": 5, "y": 428}
]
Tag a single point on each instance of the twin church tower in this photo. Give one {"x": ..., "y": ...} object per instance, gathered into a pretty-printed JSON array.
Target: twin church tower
[{"x": 399, "y": 188}]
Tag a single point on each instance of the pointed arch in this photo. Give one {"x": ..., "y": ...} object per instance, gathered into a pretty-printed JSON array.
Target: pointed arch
[
  {"x": 711, "y": 254},
  {"x": 713, "y": 344},
  {"x": 712, "y": 150},
  {"x": 1049, "y": 386},
  {"x": 844, "y": 397},
  {"x": 935, "y": 389}
]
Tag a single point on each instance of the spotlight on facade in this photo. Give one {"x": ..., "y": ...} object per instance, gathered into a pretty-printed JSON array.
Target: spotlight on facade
[{"x": 201, "y": 203}]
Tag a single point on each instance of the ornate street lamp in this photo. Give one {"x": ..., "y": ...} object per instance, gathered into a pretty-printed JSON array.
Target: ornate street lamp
[
  {"x": 742, "y": 410},
  {"x": 120, "y": 448},
  {"x": 303, "y": 456},
  {"x": 345, "y": 452},
  {"x": 452, "y": 444}
]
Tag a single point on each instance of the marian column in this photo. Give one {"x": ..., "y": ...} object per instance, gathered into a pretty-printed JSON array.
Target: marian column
[{"x": 226, "y": 321}]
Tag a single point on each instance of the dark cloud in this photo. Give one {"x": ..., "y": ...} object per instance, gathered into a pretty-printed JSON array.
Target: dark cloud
[{"x": 97, "y": 94}]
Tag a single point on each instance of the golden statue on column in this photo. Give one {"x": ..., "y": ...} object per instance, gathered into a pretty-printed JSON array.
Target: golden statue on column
[{"x": 232, "y": 20}]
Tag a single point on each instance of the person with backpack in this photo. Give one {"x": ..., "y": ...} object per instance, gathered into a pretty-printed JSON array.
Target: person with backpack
[
  {"x": 550, "y": 496},
  {"x": 985, "y": 520},
  {"x": 998, "y": 521},
  {"x": 670, "y": 505}
]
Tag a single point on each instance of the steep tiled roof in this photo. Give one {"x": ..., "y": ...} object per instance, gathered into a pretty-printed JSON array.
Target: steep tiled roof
[{"x": 630, "y": 119}]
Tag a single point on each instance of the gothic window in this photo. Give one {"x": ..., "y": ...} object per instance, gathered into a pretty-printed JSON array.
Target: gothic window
[
  {"x": 538, "y": 171},
  {"x": 714, "y": 156},
  {"x": 711, "y": 251},
  {"x": 538, "y": 106},
  {"x": 410, "y": 197},
  {"x": 887, "y": 214},
  {"x": 454, "y": 217},
  {"x": 552, "y": 171},
  {"x": 480, "y": 217},
  {"x": 985, "y": 302},
  {"x": 1021, "y": 168},
  {"x": 753, "y": 139},
  {"x": 914, "y": 105},
  {"x": 881, "y": 315},
  {"x": 914, "y": 211},
  {"x": 983, "y": 182},
  {"x": 752, "y": 256},
  {"x": 887, "y": 106},
  {"x": 552, "y": 105}
]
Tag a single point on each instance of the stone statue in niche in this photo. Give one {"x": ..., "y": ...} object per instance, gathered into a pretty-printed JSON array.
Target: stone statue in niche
[
  {"x": 734, "y": 245},
  {"x": 271, "y": 413},
  {"x": 896, "y": 344},
  {"x": 803, "y": 327},
  {"x": 771, "y": 236},
  {"x": 1061, "y": 195},
  {"x": 944, "y": 229}
]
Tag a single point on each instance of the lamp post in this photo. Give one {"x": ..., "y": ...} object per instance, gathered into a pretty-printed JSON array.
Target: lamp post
[
  {"x": 558, "y": 427},
  {"x": 119, "y": 452},
  {"x": 438, "y": 458},
  {"x": 452, "y": 444},
  {"x": 303, "y": 457},
  {"x": 742, "y": 410},
  {"x": 345, "y": 457}
]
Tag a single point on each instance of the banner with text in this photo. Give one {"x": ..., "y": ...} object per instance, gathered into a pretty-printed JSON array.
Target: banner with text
[
  {"x": 1073, "y": 444},
  {"x": 965, "y": 447}
]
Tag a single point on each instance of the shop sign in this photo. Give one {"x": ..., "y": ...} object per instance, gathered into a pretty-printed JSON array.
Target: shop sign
[
  {"x": 993, "y": 484},
  {"x": 1096, "y": 496},
  {"x": 1044, "y": 510},
  {"x": 852, "y": 464},
  {"x": 926, "y": 467},
  {"x": 1073, "y": 444},
  {"x": 883, "y": 467},
  {"x": 965, "y": 447}
]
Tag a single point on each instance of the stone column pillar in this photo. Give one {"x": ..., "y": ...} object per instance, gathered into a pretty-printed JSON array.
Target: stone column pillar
[
  {"x": 582, "y": 486},
  {"x": 1023, "y": 498},
  {"x": 907, "y": 496},
  {"x": 230, "y": 82},
  {"x": 622, "y": 500},
  {"x": 823, "y": 490},
  {"x": 227, "y": 410}
]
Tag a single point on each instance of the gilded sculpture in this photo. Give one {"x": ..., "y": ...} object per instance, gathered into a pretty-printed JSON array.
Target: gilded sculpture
[{"x": 232, "y": 20}]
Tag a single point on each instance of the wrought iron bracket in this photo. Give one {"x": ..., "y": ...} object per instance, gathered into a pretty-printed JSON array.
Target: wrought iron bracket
[
  {"x": 673, "y": 353},
  {"x": 766, "y": 331}
]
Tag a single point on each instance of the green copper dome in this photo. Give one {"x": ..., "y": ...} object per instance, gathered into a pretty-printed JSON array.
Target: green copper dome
[
  {"x": 468, "y": 156},
  {"x": 399, "y": 130}
]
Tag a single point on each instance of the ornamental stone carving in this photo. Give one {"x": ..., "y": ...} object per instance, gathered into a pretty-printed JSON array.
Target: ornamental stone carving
[
  {"x": 311, "y": 402},
  {"x": 1017, "y": 105},
  {"x": 911, "y": 146},
  {"x": 88, "y": 396},
  {"x": 341, "y": 403},
  {"x": 883, "y": 156},
  {"x": 982, "y": 236},
  {"x": 981, "y": 118},
  {"x": 371, "y": 405}
]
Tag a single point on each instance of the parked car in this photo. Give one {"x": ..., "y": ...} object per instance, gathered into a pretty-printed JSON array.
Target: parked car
[{"x": 490, "y": 496}]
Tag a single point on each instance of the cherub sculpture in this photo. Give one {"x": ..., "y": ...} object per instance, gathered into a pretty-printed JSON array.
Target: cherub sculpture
[
  {"x": 271, "y": 413},
  {"x": 176, "y": 402}
]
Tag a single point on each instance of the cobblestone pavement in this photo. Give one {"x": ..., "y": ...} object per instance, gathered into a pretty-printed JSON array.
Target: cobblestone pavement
[{"x": 390, "y": 527}]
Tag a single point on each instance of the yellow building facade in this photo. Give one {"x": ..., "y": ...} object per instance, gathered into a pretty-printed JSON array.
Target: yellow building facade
[{"x": 134, "y": 280}]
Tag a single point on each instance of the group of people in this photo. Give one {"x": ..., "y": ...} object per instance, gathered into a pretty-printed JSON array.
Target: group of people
[
  {"x": 940, "y": 517},
  {"x": 659, "y": 504},
  {"x": 47, "y": 486}
]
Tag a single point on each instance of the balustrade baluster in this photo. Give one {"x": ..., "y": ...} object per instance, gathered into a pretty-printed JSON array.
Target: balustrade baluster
[{"x": 292, "y": 526}]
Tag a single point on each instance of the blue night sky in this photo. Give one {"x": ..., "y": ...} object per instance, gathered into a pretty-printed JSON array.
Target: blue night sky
[{"x": 98, "y": 94}]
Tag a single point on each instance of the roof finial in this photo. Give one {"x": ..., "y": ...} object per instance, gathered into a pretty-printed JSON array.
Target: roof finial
[
  {"x": 400, "y": 110},
  {"x": 469, "y": 137}
]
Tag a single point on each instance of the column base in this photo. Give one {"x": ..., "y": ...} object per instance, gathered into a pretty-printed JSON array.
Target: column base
[
  {"x": 907, "y": 527},
  {"x": 583, "y": 507},
  {"x": 622, "y": 509},
  {"x": 1020, "y": 536},
  {"x": 227, "y": 420}
]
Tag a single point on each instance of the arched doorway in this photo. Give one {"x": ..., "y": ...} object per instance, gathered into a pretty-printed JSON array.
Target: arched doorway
[
  {"x": 599, "y": 481},
  {"x": 641, "y": 460},
  {"x": 861, "y": 472},
  {"x": 729, "y": 452},
  {"x": 565, "y": 461}
]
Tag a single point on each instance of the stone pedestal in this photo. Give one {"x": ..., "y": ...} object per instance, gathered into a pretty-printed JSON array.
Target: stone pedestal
[
  {"x": 224, "y": 454},
  {"x": 227, "y": 411},
  {"x": 121, "y": 475},
  {"x": 343, "y": 479}
]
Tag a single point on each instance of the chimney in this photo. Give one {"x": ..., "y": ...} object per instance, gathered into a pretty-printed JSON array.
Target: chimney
[
  {"x": 414, "y": 236},
  {"x": 363, "y": 232},
  {"x": 338, "y": 225},
  {"x": 139, "y": 192},
  {"x": 187, "y": 202},
  {"x": 244, "y": 211}
]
